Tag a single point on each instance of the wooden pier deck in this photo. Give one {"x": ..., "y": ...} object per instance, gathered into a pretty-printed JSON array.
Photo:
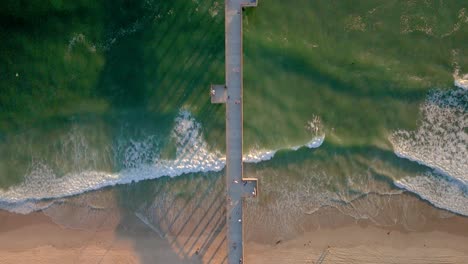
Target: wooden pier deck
[{"x": 231, "y": 94}]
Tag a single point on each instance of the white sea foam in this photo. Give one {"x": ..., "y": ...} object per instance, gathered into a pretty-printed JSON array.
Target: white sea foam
[
  {"x": 439, "y": 190},
  {"x": 440, "y": 142},
  {"x": 192, "y": 155},
  {"x": 256, "y": 156},
  {"x": 461, "y": 81},
  {"x": 316, "y": 142}
]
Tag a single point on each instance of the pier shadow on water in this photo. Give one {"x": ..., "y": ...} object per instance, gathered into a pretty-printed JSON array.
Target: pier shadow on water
[{"x": 126, "y": 64}]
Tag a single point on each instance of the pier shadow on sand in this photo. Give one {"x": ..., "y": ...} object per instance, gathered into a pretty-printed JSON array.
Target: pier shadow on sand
[{"x": 184, "y": 221}]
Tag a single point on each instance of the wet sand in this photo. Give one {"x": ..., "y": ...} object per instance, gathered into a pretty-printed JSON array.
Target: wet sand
[{"x": 35, "y": 238}]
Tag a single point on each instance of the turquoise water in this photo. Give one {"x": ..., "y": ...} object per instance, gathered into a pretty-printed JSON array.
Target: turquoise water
[{"x": 98, "y": 94}]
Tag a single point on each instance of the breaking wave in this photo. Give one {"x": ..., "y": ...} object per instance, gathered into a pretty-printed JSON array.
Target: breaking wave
[
  {"x": 42, "y": 185},
  {"x": 440, "y": 142},
  {"x": 460, "y": 80},
  {"x": 441, "y": 191}
]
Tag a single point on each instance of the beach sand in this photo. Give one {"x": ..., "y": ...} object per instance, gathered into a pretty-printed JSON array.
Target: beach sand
[
  {"x": 357, "y": 244},
  {"x": 36, "y": 238}
]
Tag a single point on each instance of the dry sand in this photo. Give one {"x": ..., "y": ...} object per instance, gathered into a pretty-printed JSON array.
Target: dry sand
[
  {"x": 34, "y": 238},
  {"x": 356, "y": 244}
]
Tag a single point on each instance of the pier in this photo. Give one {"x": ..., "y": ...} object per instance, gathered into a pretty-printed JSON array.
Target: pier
[{"x": 231, "y": 95}]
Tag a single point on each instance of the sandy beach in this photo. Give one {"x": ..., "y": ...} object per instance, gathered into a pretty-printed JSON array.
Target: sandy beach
[
  {"x": 35, "y": 238},
  {"x": 356, "y": 244}
]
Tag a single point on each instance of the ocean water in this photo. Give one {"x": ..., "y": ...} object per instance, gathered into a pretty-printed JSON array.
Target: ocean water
[{"x": 341, "y": 101}]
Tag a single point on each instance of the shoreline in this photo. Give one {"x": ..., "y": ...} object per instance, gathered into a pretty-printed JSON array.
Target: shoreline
[{"x": 38, "y": 238}]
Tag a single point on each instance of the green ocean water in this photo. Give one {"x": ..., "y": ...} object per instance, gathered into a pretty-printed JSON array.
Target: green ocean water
[{"x": 91, "y": 86}]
